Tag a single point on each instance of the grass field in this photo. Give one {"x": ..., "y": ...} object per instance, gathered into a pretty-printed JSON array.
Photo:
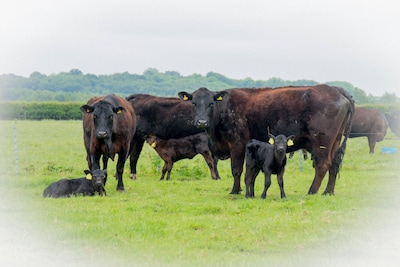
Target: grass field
[{"x": 191, "y": 219}]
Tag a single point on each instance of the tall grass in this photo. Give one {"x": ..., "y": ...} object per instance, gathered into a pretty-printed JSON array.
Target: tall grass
[{"x": 190, "y": 219}]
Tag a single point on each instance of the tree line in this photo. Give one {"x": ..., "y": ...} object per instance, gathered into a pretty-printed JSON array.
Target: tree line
[{"x": 75, "y": 86}]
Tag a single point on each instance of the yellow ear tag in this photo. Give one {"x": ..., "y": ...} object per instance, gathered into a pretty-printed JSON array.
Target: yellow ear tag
[
  {"x": 87, "y": 110},
  {"x": 271, "y": 141},
  {"x": 153, "y": 145},
  {"x": 185, "y": 97},
  {"x": 89, "y": 176},
  {"x": 290, "y": 142},
  {"x": 119, "y": 112},
  {"x": 219, "y": 98}
]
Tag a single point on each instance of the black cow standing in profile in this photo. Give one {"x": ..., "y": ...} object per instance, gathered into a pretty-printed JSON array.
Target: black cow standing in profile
[
  {"x": 270, "y": 158},
  {"x": 109, "y": 123},
  {"x": 370, "y": 123},
  {"x": 164, "y": 117},
  {"x": 317, "y": 115},
  {"x": 86, "y": 186}
]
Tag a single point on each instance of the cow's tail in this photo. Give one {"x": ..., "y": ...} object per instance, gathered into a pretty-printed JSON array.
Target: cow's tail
[{"x": 338, "y": 159}]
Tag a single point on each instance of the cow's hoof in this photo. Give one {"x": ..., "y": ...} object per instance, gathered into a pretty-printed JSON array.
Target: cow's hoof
[{"x": 133, "y": 176}]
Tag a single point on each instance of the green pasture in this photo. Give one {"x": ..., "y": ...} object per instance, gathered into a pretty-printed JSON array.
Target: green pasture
[{"x": 191, "y": 219}]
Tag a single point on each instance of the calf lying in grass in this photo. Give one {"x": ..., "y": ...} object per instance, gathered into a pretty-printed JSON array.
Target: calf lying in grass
[
  {"x": 86, "y": 186},
  {"x": 172, "y": 150},
  {"x": 270, "y": 158}
]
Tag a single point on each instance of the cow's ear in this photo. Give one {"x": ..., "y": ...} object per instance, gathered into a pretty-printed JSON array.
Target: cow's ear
[
  {"x": 271, "y": 139},
  {"x": 219, "y": 96},
  {"x": 185, "y": 96},
  {"x": 87, "y": 109},
  {"x": 290, "y": 140},
  {"x": 88, "y": 174},
  {"x": 118, "y": 110}
]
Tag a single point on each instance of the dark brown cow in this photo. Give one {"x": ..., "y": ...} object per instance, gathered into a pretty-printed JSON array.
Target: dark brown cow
[
  {"x": 394, "y": 121},
  {"x": 317, "y": 115},
  {"x": 165, "y": 117},
  {"x": 370, "y": 123},
  {"x": 109, "y": 123},
  {"x": 172, "y": 150}
]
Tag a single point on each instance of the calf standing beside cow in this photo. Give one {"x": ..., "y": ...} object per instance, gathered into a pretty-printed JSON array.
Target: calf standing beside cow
[
  {"x": 172, "y": 150},
  {"x": 270, "y": 158}
]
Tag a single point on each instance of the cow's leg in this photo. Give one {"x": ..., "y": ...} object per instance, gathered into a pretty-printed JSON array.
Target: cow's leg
[
  {"x": 210, "y": 162},
  {"x": 95, "y": 161},
  {"x": 137, "y": 146},
  {"x": 320, "y": 170},
  {"x": 250, "y": 178},
  {"x": 215, "y": 159},
  {"x": 267, "y": 184},
  {"x": 371, "y": 143},
  {"x": 163, "y": 171},
  {"x": 120, "y": 170},
  {"x": 169, "y": 169},
  {"x": 237, "y": 160},
  {"x": 322, "y": 162},
  {"x": 105, "y": 162},
  {"x": 279, "y": 177}
]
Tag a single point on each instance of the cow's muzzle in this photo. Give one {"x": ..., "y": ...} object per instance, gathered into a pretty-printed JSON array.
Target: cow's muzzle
[
  {"x": 201, "y": 124},
  {"x": 102, "y": 134}
]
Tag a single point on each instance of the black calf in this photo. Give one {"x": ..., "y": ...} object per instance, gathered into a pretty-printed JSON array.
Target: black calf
[
  {"x": 270, "y": 158},
  {"x": 86, "y": 186}
]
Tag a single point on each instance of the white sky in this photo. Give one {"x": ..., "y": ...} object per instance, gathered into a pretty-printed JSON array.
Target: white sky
[{"x": 332, "y": 40}]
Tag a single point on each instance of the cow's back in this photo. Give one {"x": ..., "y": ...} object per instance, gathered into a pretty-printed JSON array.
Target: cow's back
[
  {"x": 59, "y": 188},
  {"x": 166, "y": 117},
  {"x": 284, "y": 110}
]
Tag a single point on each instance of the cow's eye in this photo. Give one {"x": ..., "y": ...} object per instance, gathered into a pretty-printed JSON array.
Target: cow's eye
[
  {"x": 193, "y": 104},
  {"x": 95, "y": 116}
]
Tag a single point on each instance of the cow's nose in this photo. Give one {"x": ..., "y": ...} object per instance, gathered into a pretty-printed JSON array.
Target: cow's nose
[
  {"x": 101, "y": 134},
  {"x": 201, "y": 123}
]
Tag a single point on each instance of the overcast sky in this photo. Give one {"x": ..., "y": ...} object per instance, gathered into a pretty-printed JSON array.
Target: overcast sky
[{"x": 332, "y": 40}]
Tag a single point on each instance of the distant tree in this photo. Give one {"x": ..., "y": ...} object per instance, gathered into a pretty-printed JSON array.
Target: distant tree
[
  {"x": 388, "y": 98},
  {"x": 75, "y": 72},
  {"x": 173, "y": 74},
  {"x": 37, "y": 75}
]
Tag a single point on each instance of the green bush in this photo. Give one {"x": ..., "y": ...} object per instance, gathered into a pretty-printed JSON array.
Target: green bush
[{"x": 40, "y": 111}]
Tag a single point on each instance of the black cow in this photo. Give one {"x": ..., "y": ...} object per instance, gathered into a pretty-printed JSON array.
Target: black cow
[
  {"x": 270, "y": 158},
  {"x": 165, "y": 117},
  {"x": 394, "y": 121},
  {"x": 109, "y": 123},
  {"x": 172, "y": 150},
  {"x": 370, "y": 123},
  {"x": 317, "y": 115},
  {"x": 87, "y": 186}
]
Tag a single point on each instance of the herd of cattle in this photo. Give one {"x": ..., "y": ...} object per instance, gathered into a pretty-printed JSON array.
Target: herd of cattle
[{"x": 255, "y": 126}]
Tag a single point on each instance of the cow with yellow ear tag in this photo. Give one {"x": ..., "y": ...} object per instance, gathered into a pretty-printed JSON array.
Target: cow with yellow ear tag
[{"x": 270, "y": 158}]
